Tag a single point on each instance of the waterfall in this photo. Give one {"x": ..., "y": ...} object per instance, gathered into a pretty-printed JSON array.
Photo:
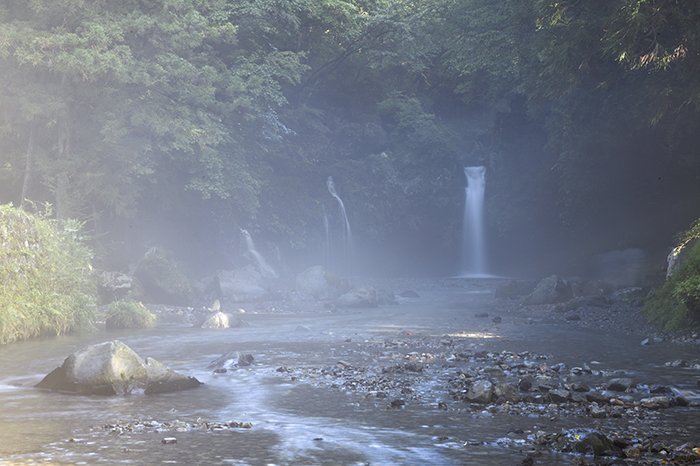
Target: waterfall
[
  {"x": 473, "y": 246},
  {"x": 327, "y": 243},
  {"x": 265, "y": 269},
  {"x": 346, "y": 231}
]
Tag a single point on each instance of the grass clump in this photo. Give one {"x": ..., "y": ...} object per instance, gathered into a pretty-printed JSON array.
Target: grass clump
[
  {"x": 46, "y": 277},
  {"x": 129, "y": 314},
  {"x": 676, "y": 304}
]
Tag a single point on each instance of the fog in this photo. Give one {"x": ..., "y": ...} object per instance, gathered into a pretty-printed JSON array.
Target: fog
[{"x": 349, "y": 232}]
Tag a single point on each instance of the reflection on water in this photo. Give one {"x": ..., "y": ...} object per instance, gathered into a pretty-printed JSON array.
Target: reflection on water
[{"x": 294, "y": 422}]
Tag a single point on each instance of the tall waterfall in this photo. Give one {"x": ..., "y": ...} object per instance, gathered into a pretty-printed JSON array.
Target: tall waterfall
[
  {"x": 473, "y": 246},
  {"x": 347, "y": 232},
  {"x": 265, "y": 269}
]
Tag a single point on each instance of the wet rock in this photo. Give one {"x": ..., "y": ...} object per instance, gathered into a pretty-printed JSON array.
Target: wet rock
[
  {"x": 481, "y": 391},
  {"x": 550, "y": 290},
  {"x": 579, "y": 387},
  {"x": 678, "y": 363},
  {"x": 497, "y": 320},
  {"x": 559, "y": 395},
  {"x": 619, "y": 384},
  {"x": 597, "y": 411},
  {"x": 302, "y": 328},
  {"x": 525, "y": 384},
  {"x": 168, "y": 440},
  {"x": 397, "y": 404},
  {"x": 112, "y": 368},
  {"x": 481, "y": 315},
  {"x": 594, "y": 443},
  {"x": 595, "y": 397},
  {"x": 656, "y": 402},
  {"x": 245, "y": 360},
  {"x": 409, "y": 294},
  {"x": 632, "y": 452},
  {"x": 505, "y": 392},
  {"x": 572, "y": 316},
  {"x": 218, "y": 320}
]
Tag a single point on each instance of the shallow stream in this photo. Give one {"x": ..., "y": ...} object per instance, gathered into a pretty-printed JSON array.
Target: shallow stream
[{"x": 297, "y": 422}]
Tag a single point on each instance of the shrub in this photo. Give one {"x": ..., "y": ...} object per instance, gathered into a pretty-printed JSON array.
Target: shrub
[
  {"x": 160, "y": 278},
  {"x": 129, "y": 314},
  {"x": 46, "y": 279},
  {"x": 676, "y": 304}
]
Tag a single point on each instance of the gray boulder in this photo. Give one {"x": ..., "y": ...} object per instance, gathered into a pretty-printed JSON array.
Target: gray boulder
[
  {"x": 481, "y": 392},
  {"x": 240, "y": 285},
  {"x": 112, "y": 368},
  {"x": 359, "y": 297},
  {"x": 550, "y": 290},
  {"x": 217, "y": 320}
]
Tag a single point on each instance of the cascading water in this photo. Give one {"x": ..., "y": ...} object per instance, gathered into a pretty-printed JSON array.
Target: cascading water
[
  {"x": 473, "y": 246},
  {"x": 265, "y": 269},
  {"x": 327, "y": 243},
  {"x": 346, "y": 231}
]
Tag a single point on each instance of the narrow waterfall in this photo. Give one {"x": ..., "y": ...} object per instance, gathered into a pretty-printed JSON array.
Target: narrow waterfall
[
  {"x": 346, "y": 231},
  {"x": 265, "y": 269},
  {"x": 473, "y": 245},
  {"x": 327, "y": 242}
]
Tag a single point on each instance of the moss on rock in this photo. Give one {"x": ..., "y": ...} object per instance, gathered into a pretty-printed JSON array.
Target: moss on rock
[{"x": 129, "y": 314}]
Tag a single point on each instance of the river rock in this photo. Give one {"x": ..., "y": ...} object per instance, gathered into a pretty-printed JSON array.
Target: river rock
[
  {"x": 559, "y": 395},
  {"x": 656, "y": 402},
  {"x": 595, "y": 443},
  {"x": 505, "y": 392},
  {"x": 217, "y": 320},
  {"x": 619, "y": 384},
  {"x": 550, "y": 290},
  {"x": 359, "y": 297},
  {"x": 112, "y": 368},
  {"x": 481, "y": 391}
]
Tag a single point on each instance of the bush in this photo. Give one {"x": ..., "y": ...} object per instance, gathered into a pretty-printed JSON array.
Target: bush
[
  {"x": 46, "y": 279},
  {"x": 676, "y": 304},
  {"x": 129, "y": 314},
  {"x": 160, "y": 279}
]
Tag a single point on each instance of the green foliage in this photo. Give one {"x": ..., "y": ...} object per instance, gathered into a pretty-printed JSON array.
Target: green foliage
[
  {"x": 129, "y": 314},
  {"x": 47, "y": 285},
  {"x": 160, "y": 278},
  {"x": 676, "y": 304}
]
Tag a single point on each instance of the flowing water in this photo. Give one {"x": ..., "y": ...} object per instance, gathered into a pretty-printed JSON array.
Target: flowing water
[
  {"x": 296, "y": 422},
  {"x": 265, "y": 269},
  {"x": 474, "y": 247},
  {"x": 346, "y": 231}
]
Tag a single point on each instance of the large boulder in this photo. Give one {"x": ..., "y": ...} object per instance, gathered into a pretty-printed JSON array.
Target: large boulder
[
  {"x": 112, "y": 368},
  {"x": 550, "y": 290},
  {"x": 359, "y": 297},
  {"x": 217, "y": 320},
  {"x": 240, "y": 285}
]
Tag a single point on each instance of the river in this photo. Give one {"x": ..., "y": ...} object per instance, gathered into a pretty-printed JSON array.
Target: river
[{"x": 300, "y": 421}]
